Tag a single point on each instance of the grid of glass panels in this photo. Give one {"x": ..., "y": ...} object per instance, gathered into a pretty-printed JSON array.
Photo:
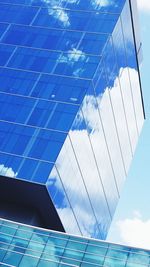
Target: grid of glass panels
[
  {"x": 22, "y": 246},
  {"x": 70, "y": 103}
]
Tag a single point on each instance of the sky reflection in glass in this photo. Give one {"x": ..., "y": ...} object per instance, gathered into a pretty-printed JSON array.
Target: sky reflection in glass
[
  {"x": 69, "y": 114},
  {"x": 21, "y": 246}
]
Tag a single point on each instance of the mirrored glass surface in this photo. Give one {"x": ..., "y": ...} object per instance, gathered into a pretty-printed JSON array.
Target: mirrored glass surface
[
  {"x": 36, "y": 247},
  {"x": 70, "y": 109}
]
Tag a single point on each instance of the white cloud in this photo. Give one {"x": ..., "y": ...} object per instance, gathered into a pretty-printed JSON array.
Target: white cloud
[
  {"x": 7, "y": 171},
  {"x": 144, "y": 5},
  {"x": 86, "y": 220},
  {"x": 60, "y": 14},
  {"x": 55, "y": 10},
  {"x": 101, "y": 3},
  {"x": 135, "y": 231},
  {"x": 68, "y": 168},
  {"x": 72, "y": 56},
  {"x": 71, "y": 1}
]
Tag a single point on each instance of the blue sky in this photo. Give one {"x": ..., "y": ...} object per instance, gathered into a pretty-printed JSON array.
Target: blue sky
[{"x": 131, "y": 224}]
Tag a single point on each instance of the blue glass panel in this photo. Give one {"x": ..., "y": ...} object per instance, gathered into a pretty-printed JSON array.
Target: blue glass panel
[
  {"x": 76, "y": 63},
  {"x": 14, "y": 139},
  {"x": 35, "y": 60},
  {"x": 17, "y": 13},
  {"x": 95, "y": 259},
  {"x": 12, "y": 258},
  {"x": 42, "y": 172},
  {"x": 78, "y": 245},
  {"x": 114, "y": 6},
  {"x": 128, "y": 37},
  {"x": 138, "y": 256},
  {"x": 63, "y": 117},
  {"x": 10, "y": 224},
  {"x": 47, "y": 145},
  {"x": 113, "y": 262},
  {"x": 3, "y": 27},
  {"x": 7, "y": 230},
  {"x": 16, "y": 82},
  {"x": 93, "y": 43},
  {"x": 110, "y": 63},
  {"x": 5, "y": 53},
  {"x": 44, "y": 263},
  {"x": 15, "y": 108},
  {"x": 71, "y": 254},
  {"x": 122, "y": 255},
  {"x": 28, "y": 261},
  {"x": 48, "y": 248},
  {"x": 25, "y": 2},
  {"x": 74, "y": 20},
  {"x": 96, "y": 249},
  {"x": 89, "y": 43},
  {"x": 42, "y": 38},
  {"x": 2, "y": 254},
  {"x": 19, "y": 245},
  {"x": 27, "y": 169},
  {"x": 119, "y": 46},
  {"x": 5, "y": 239},
  {"x": 61, "y": 89}
]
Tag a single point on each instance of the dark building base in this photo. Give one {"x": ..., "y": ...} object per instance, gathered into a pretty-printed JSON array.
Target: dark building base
[{"x": 28, "y": 203}]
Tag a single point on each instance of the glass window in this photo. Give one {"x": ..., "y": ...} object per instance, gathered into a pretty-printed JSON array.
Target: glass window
[
  {"x": 73, "y": 254},
  {"x": 95, "y": 249},
  {"x": 139, "y": 257},
  {"x": 93, "y": 43},
  {"x": 12, "y": 258},
  {"x": 5, "y": 53},
  {"x": 95, "y": 259},
  {"x": 42, "y": 172},
  {"x": 16, "y": 81},
  {"x": 61, "y": 88},
  {"x": 78, "y": 246},
  {"x": 119, "y": 46},
  {"x": 3, "y": 27},
  {"x": 17, "y": 13},
  {"x": 33, "y": 59},
  {"x": 27, "y": 169},
  {"x": 44, "y": 263},
  {"x": 5, "y": 239},
  {"x": 42, "y": 38},
  {"x": 113, "y": 262},
  {"x": 117, "y": 254},
  {"x": 81, "y": 21},
  {"x": 47, "y": 145},
  {"x": 28, "y": 261}
]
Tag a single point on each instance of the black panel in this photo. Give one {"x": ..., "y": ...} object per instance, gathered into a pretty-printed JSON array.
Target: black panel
[{"x": 28, "y": 203}]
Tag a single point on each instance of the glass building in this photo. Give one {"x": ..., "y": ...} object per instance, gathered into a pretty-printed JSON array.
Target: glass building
[
  {"x": 71, "y": 111},
  {"x": 23, "y": 246}
]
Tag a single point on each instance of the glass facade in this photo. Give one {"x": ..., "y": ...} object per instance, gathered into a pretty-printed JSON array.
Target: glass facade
[
  {"x": 22, "y": 246},
  {"x": 70, "y": 104}
]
